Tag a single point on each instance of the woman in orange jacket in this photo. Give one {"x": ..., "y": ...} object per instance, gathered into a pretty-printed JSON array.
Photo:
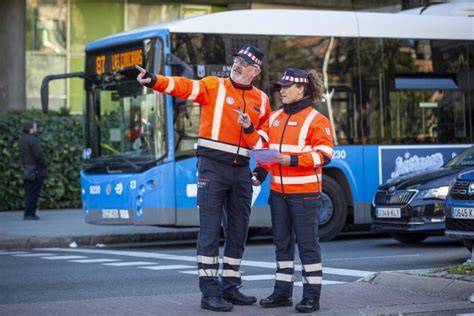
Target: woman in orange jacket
[{"x": 303, "y": 138}]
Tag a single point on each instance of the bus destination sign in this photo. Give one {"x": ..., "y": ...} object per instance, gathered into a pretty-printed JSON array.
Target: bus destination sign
[{"x": 113, "y": 61}]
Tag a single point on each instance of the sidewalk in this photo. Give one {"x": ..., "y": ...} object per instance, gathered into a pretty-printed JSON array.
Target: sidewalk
[
  {"x": 407, "y": 292},
  {"x": 59, "y": 228}
]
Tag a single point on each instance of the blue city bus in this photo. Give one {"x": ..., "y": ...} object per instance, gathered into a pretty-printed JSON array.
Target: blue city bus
[{"x": 398, "y": 91}]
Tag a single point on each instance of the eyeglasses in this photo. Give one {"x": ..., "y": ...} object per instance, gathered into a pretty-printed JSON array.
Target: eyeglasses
[{"x": 243, "y": 62}]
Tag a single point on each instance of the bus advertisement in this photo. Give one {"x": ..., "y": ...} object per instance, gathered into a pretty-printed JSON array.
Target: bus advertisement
[{"x": 398, "y": 92}]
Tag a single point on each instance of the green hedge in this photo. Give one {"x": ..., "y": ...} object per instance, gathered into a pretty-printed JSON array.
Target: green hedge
[{"x": 61, "y": 136}]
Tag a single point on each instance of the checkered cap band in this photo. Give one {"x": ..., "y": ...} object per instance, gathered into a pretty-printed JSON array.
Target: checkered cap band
[
  {"x": 295, "y": 79},
  {"x": 251, "y": 56}
]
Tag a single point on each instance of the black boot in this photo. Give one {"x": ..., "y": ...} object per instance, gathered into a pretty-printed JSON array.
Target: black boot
[
  {"x": 276, "y": 301},
  {"x": 307, "y": 305},
  {"x": 215, "y": 304},
  {"x": 236, "y": 297}
]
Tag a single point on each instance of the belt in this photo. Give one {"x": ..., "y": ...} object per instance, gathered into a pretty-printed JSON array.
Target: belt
[{"x": 223, "y": 147}]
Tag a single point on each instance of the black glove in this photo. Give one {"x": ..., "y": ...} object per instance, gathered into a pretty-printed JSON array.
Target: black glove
[
  {"x": 152, "y": 77},
  {"x": 261, "y": 174}
]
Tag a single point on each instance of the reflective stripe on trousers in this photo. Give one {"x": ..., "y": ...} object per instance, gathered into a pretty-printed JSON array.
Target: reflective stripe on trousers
[
  {"x": 296, "y": 216},
  {"x": 224, "y": 196}
]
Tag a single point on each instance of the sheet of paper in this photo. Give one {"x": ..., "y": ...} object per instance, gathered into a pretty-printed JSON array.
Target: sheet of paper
[{"x": 264, "y": 156}]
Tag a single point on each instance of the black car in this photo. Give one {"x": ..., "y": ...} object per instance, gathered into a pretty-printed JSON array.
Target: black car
[{"x": 411, "y": 207}]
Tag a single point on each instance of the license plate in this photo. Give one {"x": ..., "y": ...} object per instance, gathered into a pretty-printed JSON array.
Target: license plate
[
  {"x": 110, "y": 214},
  {"x": 124, "y": 214},
  {"x": 463, "y": 212},
  {"x": 388, "y": 212}
]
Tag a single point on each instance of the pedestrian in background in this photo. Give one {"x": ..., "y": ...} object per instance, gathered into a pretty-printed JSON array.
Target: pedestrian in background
[
  {"x": 33, "y": 168},
  {"x": 224, "y": 180},
  {"x": 303, "y": 138}
]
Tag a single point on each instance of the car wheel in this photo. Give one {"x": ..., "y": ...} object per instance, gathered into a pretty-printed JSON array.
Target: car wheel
[
  {"x": 409, "y": 238},
  {"x": 333, "y": 212},
  {"x": 468, "y": 244}
]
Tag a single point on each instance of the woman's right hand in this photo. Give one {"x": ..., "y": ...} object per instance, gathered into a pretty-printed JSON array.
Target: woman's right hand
[{"x": 255, "y": 182}]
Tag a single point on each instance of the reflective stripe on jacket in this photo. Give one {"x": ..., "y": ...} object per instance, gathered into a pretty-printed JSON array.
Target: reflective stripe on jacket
[
  {"x": 306, "y": 136},
  {"x": 219, "y": 130}
]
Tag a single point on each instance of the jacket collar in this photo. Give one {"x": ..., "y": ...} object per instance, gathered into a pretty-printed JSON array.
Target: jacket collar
[
  {"x": 297, "y": 106},
  {"x": 241, "y": 86}
]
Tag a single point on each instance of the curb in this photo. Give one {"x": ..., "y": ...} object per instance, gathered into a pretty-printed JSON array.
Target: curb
[
  {"x": 92, "y": 240},
  {"x": 418, "y": 283}
]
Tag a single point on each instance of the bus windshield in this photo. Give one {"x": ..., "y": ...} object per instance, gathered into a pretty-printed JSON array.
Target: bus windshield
[{"x": 128, "y": 128}]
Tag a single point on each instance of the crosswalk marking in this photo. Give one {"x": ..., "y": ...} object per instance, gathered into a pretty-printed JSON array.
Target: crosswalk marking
[
  {"x": 250, "y": 263},
  {"x": 258, "y": 277},
  {"x": 64, "y": 257},
  {"x": 193, "y": 272},
  {"x": 131, "y": 263},
  {"x": 35, "y": 254},
  {"x": 325, "y": 282},
  {"x": 168, "y": 267},
  {"x": 347, "y": 272},
  {"x": 95, "y": 260}
]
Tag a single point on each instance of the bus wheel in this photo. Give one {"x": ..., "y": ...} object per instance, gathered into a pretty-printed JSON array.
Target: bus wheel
[
  {"x": 468, "y": 244},
  {"x": 333, "y": 212},
  {"x": 409, "y": 238}
]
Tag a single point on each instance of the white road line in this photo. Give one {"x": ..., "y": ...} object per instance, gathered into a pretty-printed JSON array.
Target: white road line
[
  {"x": 63, "y": 257},
  {"x": 258, "y": 277},
  {"x": 372, "y": 258},
  {"x": 325, "y": 282},
  {"x": 132, "y": 263},
  {"x": 193, "y": 272},
  {"x": 347, "y": 272},
  {"x": 35, "y": 254},
  {"x": 249, "y": 263},
  {"x": 12, "y": 253},
  {"x": 95, "y": 260},
  {"x": 169, "y": 267}
]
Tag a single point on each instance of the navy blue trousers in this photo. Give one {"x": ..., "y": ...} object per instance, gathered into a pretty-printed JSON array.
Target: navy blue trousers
[
  {"x": 296, "y": 217},
  {"x": 224, "y": 196}
]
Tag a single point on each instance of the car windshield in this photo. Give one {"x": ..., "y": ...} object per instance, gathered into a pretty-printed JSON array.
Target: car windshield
[{"x": 466, "y": 158}]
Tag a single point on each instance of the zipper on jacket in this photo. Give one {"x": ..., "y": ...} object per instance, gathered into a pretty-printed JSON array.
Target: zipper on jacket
[
  {"x": 241, "y": 129},
  {"x": 281, "y": 144}
]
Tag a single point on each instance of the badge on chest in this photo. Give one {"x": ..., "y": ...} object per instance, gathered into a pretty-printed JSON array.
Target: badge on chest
[{"x": 292, "y": 123}]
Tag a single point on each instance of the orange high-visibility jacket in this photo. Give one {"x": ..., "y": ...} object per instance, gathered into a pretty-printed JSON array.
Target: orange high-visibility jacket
[
  {"x": 307, "y": 135},
  {"x": 220, "y": 136}
]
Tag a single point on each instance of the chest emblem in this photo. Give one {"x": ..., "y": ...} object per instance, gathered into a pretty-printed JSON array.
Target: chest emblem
[
  {"x": 292, "y": 123},
  {"x": 229, "y": 100},
  {"x": 328, "y": 131},
  {"x": 276, "y": 123}
]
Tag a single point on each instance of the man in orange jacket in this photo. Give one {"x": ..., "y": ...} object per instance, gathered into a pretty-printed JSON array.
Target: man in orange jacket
[{"x": 224, "y": 180}]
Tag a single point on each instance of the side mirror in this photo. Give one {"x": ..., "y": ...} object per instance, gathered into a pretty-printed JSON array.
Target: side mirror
[{"x": 45, "y": 86}]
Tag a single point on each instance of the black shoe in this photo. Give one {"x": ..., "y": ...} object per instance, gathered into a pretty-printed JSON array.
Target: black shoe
[
  {"x": 276, "y": 301},
  {"x": 30, "y": 218},
  {"x": 238, "y": 298},
  {"x": 215, "y": 304},
  {"x": 307, "y": 305}
]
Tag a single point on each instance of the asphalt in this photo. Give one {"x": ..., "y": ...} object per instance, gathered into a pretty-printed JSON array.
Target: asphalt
[{"x": 384, "y": 293}]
